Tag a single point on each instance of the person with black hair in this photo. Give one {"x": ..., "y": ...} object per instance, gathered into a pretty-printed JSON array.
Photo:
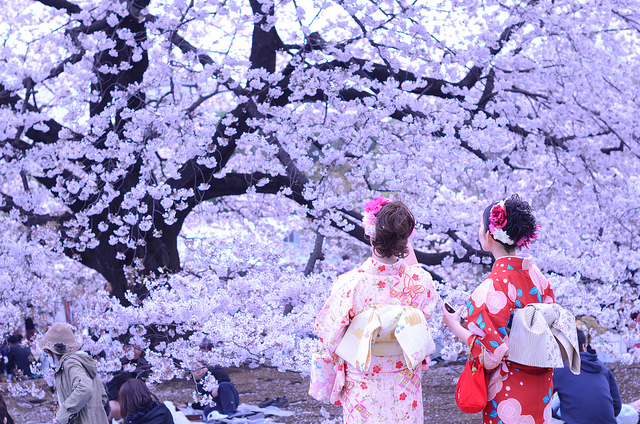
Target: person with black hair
[
  {"x": 142, "y": 370},
  {"x": 384, "y": 384},
  {"x": 5, "y": 418},
  {"x": 19, "y": 358},
  {"x": 224, "y": 398},
  {"x": 591, "y": 396},
  {"x": 516, "y": 392},
  {"x": 30, "y": 328}
]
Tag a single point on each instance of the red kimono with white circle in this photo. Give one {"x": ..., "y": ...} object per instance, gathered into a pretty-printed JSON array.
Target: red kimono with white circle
[{"x": 518, "y": 394}]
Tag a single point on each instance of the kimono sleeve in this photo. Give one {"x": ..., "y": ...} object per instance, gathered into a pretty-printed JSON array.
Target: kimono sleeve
[
  {"x": 542, "y": 289},
  {"x": 489, "y": 310},
  {"x": 336, "y": 314},
  {"x": 427, "y": 299}
]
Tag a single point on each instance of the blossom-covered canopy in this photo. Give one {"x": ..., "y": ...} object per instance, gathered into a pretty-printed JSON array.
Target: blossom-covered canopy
[{"x": 170, "y": 147}]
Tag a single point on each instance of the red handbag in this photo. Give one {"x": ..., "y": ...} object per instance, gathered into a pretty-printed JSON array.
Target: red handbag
[{"x": 471, "y": 390}]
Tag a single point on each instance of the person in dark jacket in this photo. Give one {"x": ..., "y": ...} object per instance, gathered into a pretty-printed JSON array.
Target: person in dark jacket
[
  {"x": 139, "y": 406},
  {"x": 225, "y": 396},
  {"x": 591, "y": 396},
  {"x": 19, "y": 358},
  {"x": 141, "y": 372}
]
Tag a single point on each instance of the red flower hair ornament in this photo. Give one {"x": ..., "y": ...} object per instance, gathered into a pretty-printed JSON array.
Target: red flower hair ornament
[{"x": 498, "y": 220}]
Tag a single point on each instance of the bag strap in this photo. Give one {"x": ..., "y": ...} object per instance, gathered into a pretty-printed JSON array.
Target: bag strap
[
  {"x": 473, "y": 340},
  {"x": 470, "y": 356}
]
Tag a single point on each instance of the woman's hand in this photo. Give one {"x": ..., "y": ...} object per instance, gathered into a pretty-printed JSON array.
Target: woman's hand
[{"x": 452, "y": 320}]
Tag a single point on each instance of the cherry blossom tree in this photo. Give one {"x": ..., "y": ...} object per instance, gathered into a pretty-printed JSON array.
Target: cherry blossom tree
[{"x": 171, "y": 146}]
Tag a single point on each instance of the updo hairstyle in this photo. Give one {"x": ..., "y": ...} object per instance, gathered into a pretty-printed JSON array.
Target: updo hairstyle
[
  {"x": 520, "y": 220},
  {"x": 394, "y": 225}
]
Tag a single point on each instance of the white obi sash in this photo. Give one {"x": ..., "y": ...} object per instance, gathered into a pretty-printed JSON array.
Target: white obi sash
[
  {"x": 386, "y": 330},
  {"x": 543, "y": 335}
]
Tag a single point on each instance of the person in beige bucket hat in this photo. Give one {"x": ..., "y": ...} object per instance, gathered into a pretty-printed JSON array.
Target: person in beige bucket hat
[
  {"x": 59, "y": 339},
  {"x": 81, "y": 395}
]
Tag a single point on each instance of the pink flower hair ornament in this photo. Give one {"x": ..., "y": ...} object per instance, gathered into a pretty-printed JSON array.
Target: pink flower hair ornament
[{"x": 370, "y": 210}]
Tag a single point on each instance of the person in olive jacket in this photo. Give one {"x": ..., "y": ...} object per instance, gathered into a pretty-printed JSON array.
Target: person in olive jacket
[
  {"x": 139, "y": 406},
  {"x": 81, "y": 394}
]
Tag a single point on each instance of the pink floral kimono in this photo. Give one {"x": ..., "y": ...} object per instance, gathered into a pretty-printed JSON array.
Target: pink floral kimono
[{"x": 389, "y": 390}]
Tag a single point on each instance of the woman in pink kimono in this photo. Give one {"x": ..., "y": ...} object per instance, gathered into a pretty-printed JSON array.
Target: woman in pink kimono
[
  {"x": 517, "y": 394},
  {"x": 374, "y": 324}
]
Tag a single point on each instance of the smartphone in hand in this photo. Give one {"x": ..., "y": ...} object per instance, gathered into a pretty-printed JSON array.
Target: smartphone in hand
[{"x": 449, "y": 308}]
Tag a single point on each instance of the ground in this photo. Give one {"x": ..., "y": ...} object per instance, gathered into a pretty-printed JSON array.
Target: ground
[{"x": 254, "y": 385}]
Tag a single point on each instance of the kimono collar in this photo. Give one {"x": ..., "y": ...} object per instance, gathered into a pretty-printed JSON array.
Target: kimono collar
[
  {"x": 513, "y": 262},
  {"x": 373, "y": 266}
]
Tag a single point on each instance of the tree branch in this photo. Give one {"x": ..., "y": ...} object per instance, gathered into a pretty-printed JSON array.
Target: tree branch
[
  {"x": 430, "y": 259},
  {"x": 505, "y": 36},
  {"x": 32, "y": 219},
  {"x": 62, "y": 4},
  {"x": 487, "y": 94},
  {"x": 315, "y": 256},
  {"x": 264, "y": 44}
]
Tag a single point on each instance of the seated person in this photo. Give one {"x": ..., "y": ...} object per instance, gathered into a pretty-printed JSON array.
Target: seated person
[
  {"x": 225, "y": 396},
  {"x": 139, "y": 406},
  {"x": 591, "y": 396},
  {"x": 19, "y": 358},
  {"x": 141, "y": 372}
]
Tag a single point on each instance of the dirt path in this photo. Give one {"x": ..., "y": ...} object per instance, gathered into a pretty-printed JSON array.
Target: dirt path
[{"x": 256, "y": 384}]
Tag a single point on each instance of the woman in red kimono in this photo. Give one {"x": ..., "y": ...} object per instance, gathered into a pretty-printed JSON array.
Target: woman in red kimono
[{"x": 517, "y": 394}]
